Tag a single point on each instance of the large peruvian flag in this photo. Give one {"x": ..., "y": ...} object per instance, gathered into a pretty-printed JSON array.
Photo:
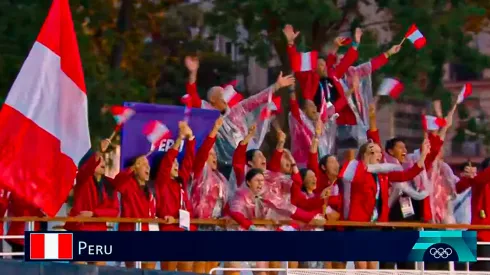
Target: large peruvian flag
[{"x": 44, "y": 123}]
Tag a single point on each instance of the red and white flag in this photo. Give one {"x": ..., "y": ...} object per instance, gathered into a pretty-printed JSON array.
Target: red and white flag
[
  {"x": 272, "y": 108},
  {"x": 416, "y": 37},
  {"x": 304, "y": 62},
  {"x": 44, "y": 120},
  {"x": 51, "y": 246},
  {"x": 231, "y": 96},
  {"x": 121, "y": 115},
  {"x": 348, "y": 172},
  {"x": 465, "y": 92},
  {"x": 432, "y": 123},
  {"x": 391, "y": 87},
  {"x": 155, "y": 132}
]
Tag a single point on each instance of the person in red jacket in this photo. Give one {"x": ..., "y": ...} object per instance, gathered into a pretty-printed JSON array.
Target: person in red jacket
[
  {"x": 311, "y": 82},
  {"x": 209, "y": 191},
  {"x": 20, "y": 208},
  {"x": 171, "y": 185},
  {"x": 369, "y": 185},
  {"x": 244, "y": 159},
  {"x": 94, "y": 195},
  {"x": 254, "y": 201},
  {"x": 138, "y": 200},
  {"x": 480, "y": 206}
]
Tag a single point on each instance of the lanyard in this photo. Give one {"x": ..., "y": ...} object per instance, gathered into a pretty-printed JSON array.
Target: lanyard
[
  {"x": 325, "y": 90},
  {"x": 182, "y": 204},
  {"x": 152, "y": 205}
]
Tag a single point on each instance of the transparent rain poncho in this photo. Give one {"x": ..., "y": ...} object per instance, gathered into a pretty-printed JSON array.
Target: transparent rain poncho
[
  {"x": 303, "y": 132},
  {"x": 237, "y": 121},
  {"x": 266, "y": 205},
  {"x": 363, "y": 97},
  {"x": 209, "y": 194}
]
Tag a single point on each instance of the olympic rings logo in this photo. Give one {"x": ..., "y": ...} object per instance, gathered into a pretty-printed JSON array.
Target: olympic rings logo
[{"x": 439, "y": 253}]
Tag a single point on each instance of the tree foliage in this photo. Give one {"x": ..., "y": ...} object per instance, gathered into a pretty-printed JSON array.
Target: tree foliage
[
  {"x": 447, "y": 25},
  {"x": 131, "y": 50}
]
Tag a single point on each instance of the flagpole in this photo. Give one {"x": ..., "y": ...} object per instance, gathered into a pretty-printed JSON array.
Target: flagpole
[
  {"x": 113, "y": 135},
  {"x": 403, "y": 40}
]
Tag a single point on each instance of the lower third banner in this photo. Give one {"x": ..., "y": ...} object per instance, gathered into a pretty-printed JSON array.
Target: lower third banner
[{"x": 389, "y": 246}]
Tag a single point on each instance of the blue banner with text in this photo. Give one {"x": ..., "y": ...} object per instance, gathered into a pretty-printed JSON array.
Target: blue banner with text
[{"x": 385, "y": 246}]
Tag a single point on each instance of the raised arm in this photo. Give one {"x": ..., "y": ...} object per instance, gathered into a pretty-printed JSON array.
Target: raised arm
[
  {"x": 313, "y": 155},
  {"x": 295, "y": 110},
  {"x": 239, "y": 161},
  {"x": 185, "y": 169},
  {"x": 206, "y": 146},
  {"x": 192, "y": 65},
  {"x": 261, "y": 98},
  {"x": 166, "y": 164},
  {"x": 274, "y": 163},
  {"x": 87, "y": 170},
  {"x": 350, "y": 57}
]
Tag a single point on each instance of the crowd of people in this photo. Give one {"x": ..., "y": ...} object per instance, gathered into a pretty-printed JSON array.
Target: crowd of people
[{"x": 305, "y": 184}]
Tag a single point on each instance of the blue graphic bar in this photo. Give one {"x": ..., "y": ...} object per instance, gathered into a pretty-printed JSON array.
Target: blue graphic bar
[{"x": 384, "y": 246}]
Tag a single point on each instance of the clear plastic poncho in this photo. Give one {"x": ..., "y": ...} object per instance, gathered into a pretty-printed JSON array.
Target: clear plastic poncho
[
  {"x": 303, "y": 133},
  {"x": 237, "y": 120},
  {"x": 266, "y": 205},
  {"x": 442, "y": 195},
  {"x": 209, "y": 194},
  {"x": 418, "y": 188},
  {"x": 363, "y": 97}
]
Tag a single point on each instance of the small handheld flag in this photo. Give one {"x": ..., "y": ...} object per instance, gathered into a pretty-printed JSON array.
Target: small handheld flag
[
  {"x": 391, "y": 87},
  {"x": 465, "y": 92},
  {"x": 231, "y": 96},
  {"x": 415, "y": 36},
  {"x": 303, "y": 62},
  {"x": 51, "y": 246},
  {"x": 155, "y": 132},
  {"x": 432, "y": 123},
  {"x": 121, "y": 114}
]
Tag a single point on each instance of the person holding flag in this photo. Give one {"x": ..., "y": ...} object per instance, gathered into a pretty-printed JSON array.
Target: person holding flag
[
  {"x": 138, "y": 199},
  {"x": 238, "y": 114},
  {"x": 302, "y": 124},
  {"x": 209, "y": 189},
  {"x": 94, "y": 195},
  {"x": 171, "y": 185}
]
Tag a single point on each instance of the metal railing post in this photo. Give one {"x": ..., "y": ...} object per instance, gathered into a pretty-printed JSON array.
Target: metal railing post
[{"x": 138, "y": 228}]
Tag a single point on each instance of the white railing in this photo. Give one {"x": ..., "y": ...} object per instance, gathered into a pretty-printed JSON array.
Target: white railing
[{"x": 420, "y": 266}]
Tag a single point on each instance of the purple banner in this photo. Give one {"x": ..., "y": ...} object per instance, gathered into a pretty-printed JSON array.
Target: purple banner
[{"x": 134, "y": 142}]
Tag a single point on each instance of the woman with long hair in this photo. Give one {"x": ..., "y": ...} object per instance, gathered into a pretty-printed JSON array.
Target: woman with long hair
[
  {"x": 209, "y": 190},
  {"x": 94, "y": 195},
  {"x": 254, "y": 201},
  {"x": 171, "y": 187}
]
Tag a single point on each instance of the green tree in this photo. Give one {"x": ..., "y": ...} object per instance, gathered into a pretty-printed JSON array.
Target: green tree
[
  {"x": 131, "y": 50},
  {"x": 447, "y": 26}
]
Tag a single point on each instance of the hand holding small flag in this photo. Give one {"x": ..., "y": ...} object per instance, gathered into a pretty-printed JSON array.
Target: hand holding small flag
[
  {"x": 415, "y": 36},
  {"x": 121, "y": 114}
]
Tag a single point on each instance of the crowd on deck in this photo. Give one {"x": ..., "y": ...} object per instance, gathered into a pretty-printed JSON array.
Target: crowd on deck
[{"x": 305, "y": 183}]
